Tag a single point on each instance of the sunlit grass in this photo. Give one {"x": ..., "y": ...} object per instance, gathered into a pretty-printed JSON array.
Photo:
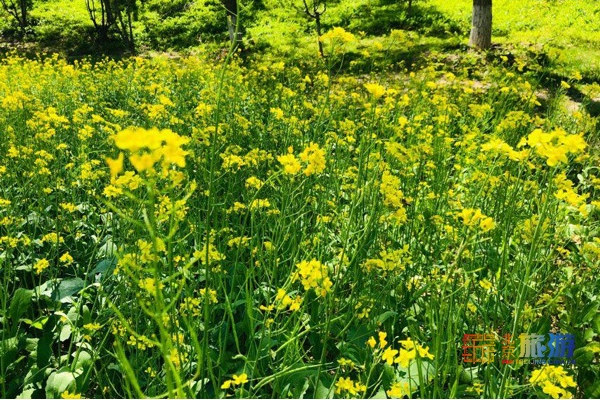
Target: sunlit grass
[{"x": 567, "y": 29}]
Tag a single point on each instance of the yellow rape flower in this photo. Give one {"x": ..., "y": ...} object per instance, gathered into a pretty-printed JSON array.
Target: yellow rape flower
[
  {"x": 554, "y": 381},
  {"x": 240, "y": 379},
  {"x": 399, "y": 390},
  {"x": 290, "y": 164},
  {"x": 337, "y": 34},
  {"x": 68, "y": 395},
  {"x": 372, "y": 342},
  {"x": 472, "y": 217},
  {"x": 349, "y": 386},
  {"x": 41, "y": 265},
  {"x": 115, "y": 165},
  {"x": 66, "y": 258},
  {"x": 313, "y": 275},
  {"x": 375, "y": 89},
  {"x": 382, "y": 341},
  {"x": 235, "y": 381},
  {"x": 315, "y": 157},
  {"x": 484, "y": 283},
  {"x": 149, "y": 146},
  {"x": 388, "y": 355},
  {"x": 554, "y": 146}
]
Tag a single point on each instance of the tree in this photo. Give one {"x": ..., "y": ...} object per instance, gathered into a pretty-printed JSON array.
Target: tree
[
  {"x": 481, "y": 30},
  {"x": 231, "y": 8},
  {"x": 101, "y": 14},
  {"x": 19, "y": 10},
  {"x": 117, "y": 15},
  {"x": 314, "y": 11}
]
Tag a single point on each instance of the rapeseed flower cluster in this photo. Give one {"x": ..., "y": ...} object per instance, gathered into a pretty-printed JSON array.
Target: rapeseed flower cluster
[
  {"x": 554, "y": 381},
  {"x": 148, "y": 147},
  {"x": 313, "y": 275},
  {"x": 337, "y": 34},
  {"x": 554, "y": 146},
  {"x": 403, "y": 356},
  {"x": 473, "y": 217},
  {"x": 347, "y": 387},
  {"x": 237, "y": 380}
]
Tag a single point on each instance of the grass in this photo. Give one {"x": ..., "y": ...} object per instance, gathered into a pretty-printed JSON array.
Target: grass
[{"x": 567, "y": 29}]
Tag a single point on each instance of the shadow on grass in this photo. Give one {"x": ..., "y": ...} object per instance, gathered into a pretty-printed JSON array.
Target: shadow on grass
[
  {"x": 411, "y": 57},
  {"x": 381, "y": 16},
  {"x": 552, "y": 82},
  {"x": 550, "y": 79},
  {"x": 87, "y": 47}
]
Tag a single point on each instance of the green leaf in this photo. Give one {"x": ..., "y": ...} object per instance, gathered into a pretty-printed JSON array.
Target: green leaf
[
  {"x": 38, "y": 323},
  {"x": 468, "y": 374},
  {"x": 20, "y": 303},
  {"x": 380, "y": 394},
  {"x": 8, "y": 349},
  {"x": 388, "y": 375},
  {"x": 84, "y": 359},
  {"x": 593, "y": 391},
  {"x": 59, "y": 382},
  {"x": 323, "y": 392},
  {"x": 31, "y": 344},
  {"x": 385, "y": 316},
  {"x": 34, "y": 376},
  {"x": 26, "y": 394},
  {"x": 588, "y": 312},
  {"x": 44, "y": 351},
  {"x": 108, "y": 248},
  {"x": 596, "y": 324},
  {"x": 412, "y": 372},
  {"x": 46, "y": 288},
  {"x": 44, "y": 345},
  {"x": 66, "y": 288},
  {"x": 104, "y": 268},
  {"x": 65, "y": 332},
  {"x": 584, "y": 355}
]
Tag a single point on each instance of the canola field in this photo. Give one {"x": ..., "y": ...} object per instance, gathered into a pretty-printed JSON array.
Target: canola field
[{"x": 176, "y": 227}]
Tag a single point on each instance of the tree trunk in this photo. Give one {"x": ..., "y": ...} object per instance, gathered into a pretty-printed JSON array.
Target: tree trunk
[
  {"x": 235, "y": 33},
  {"x": 24, "y": 22},
  {"x": 481, "y": 30},
  {"x": 131, "y": 38},
  {"x": 102, "y": 32},
  {"x": 231, "y": 7},
  {"x": 231, "y": 22},
  {"x": 318, "y": 25}
]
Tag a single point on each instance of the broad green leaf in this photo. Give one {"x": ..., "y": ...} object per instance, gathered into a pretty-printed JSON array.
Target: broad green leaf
[
  {"x": 385, "y": 316},
  {"x": 104, "y": 268},
  {"x": 65, "y": 332},
  {"x": 58, "y": 383},
  {"x": 66, "y": 288},
  {"x": 593, "y": 392},
  {"x": 20, "y": 303},
  {"x": 8, "y": 349},
  {"x": 44, "y": 350},
  {"x": 589, "y": 312},
  {"x": 323, "y": 392},
  {"x": 412, "y": 372},
  {"x": 84, "y": 359},
  {"x": 26, "y": 394}
]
